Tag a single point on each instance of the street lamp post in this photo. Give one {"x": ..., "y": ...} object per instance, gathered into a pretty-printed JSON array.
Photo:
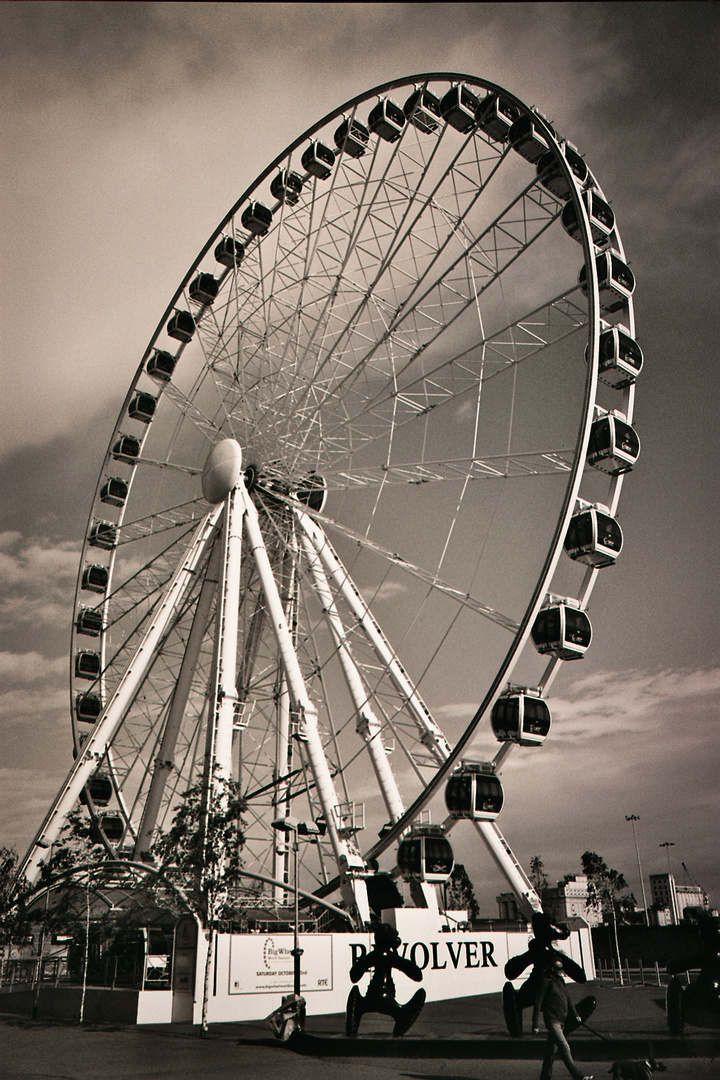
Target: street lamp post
[
  {"x": 291, "y": 1014},
  {"x": 671, "y": 888},
  {"x": 632, "y": 818}
]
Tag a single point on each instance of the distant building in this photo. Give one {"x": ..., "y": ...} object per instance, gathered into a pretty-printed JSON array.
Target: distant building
[
  {"x": 508, "y": 908},
  {"x": 569, "y": 900},
  {"x": 667, "y": 894}
]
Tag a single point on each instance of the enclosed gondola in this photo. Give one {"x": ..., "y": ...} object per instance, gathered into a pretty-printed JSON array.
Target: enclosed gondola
[
  {"x": 142, "y": 407},
  {"x": 114, "y": 491},
  {"x": 127, "y": 448},
  {"x": 352, "y": 138},
  {"x": 318, "y": 160},
  {"x": 103, "y": 534},
  {"x": 181, "y": 326},
  {"x": 425, "y": 854},
  {"x": 99, "y": 790},
  {"x": 522, "y": 716},
  {"x": 593, "y": 537},
  {"x": 614, "y": 445},
  {"x": 528, "y": 139},
  {"x": 161, "y": 365},
  {"x": 313, "y": 493},
  {"x": 257, "y": 218},
  {"x": 422, "y": 109},
  {"x": 204, "y": 288},
  {"x": 474, "y": 791},
  {"x": 286, "y": 187},
  {"x": 87, "y": 708},
  {"x": 87, "y": 664},
  {"x": 551, "y": 174},
  {"x": 621, "y": 358},
  {"x": 563, "y": 630},
  {"x": 600, "y": 215},
  {"x": 616, "y": 281},
  {"x": 113, "y": 826},
  {"x": 495, "y": 117},
  {"x": 229, "y": 251},
  {"x": 95, "y": 578},
  {"x": 89, "y": 621},
  {"x": 459, "y": 107},
  {"x": 387, "y": 120}
]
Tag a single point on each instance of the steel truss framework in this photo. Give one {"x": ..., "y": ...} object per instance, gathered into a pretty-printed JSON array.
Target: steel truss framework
[{"x": 407, "y": 327}]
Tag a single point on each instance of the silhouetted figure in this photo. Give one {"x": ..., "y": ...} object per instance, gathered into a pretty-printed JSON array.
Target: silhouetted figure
[
  {"x": 698, "y": 1003},
  {"x": 559, "y": 1015},
  {"x": 380, "y": 996},
  {"x": 540, "y": 954}
]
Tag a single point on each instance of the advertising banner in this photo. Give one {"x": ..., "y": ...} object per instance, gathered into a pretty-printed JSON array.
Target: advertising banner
[{"x": 262, "y": 964}]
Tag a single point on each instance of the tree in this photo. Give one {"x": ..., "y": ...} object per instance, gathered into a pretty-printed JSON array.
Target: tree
[
  {"x": 459, "y": 893},
  {"x": 200, "y": 854},
  {"x": 604, "y": 888},
  {"x": 538, "y": 877},
  {"x": 13, "y": 917}
]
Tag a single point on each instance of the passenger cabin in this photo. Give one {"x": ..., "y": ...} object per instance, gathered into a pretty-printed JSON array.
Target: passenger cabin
[
  {"x": 161, "y": 365},
  {"x": 527, "y": 138},
  {"x": 422, "y": 109},
  {"x": 229, "y": 252},
  {"x": 95, "y": 579},
  {"x": 562, "y": 630},
  {"x": 89, "y": 621},
  {"x": 257, "y": 218},
  {"x": 425, "y": 854},
  {"x": 616, "y": 281},
  {"x": 181, "y": 326},
  {"x": 142, "y": 407},
  {"x": 313, "y": 493},
  {"x": 621, "y": 358},
  {"x": 600, "y": 215},
  {"x": 318, "y": 160},
  {"x": 459, "y": 107},
  {"x": 87, "y": 664},
  {"x": 521, "y": 715},
  {"x": 127, "y": 449},
  {"x": 204, "y": 288},
  {"x": 103, "y": 534},
  {"x": 99, "y": 790},
  {"x": 87, "y": 708},
  {"x": 593, "y": 538},
  {"x": 113, "y": 826},
  {"x": 352, "y": 138},
  {"x": 475, "y": 792},
  {"x": 551, "y": 174},
  {"x": 614, "y": 445},
  {"x": 286, "y": 187},
  {"x": 114, "y": 491},
  {"x": 495, "y": 117},
  {"x": 387, "y": 120}
]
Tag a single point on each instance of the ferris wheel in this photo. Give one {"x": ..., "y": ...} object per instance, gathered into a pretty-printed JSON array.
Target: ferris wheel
[{"x": 394, "y": 387}]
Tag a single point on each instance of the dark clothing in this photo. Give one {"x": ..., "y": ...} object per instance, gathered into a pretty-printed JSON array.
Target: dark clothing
[{"x": 553, "y": 1001}]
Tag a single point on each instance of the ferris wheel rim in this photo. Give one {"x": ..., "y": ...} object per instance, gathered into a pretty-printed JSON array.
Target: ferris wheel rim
[{"x": 590, "y": 387}]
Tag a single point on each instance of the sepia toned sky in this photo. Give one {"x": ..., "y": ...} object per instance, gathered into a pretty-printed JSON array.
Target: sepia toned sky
[{"x": 129, "y": 129}]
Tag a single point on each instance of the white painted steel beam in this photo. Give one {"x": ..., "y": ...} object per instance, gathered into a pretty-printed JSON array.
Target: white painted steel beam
[
  {"x": 367, "y": 723},
  {"x": 120, "y": 702},
  {"x": 347, "y": 854}
]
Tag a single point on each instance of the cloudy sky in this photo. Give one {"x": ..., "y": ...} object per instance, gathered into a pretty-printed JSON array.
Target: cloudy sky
[{"x": 129, "y": 129}]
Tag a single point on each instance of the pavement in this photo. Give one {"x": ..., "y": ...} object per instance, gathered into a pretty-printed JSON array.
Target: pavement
[{"x": 451, "y": 1040}]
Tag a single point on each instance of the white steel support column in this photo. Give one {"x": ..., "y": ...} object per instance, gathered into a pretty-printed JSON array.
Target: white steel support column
[
  {"x": 118, "y": 706},
  {"x": 367, "y": 723},
  {"x": 224, "y": 697},
  {"x": 517, "y": 879},
  {"x": 430, "y": 734},
  {"x": 165, "y": 763},
  {"x": 347, "y": 854}
]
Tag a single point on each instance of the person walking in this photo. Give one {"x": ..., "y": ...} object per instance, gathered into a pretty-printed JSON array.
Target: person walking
[{"x": 553, "y": 1001}]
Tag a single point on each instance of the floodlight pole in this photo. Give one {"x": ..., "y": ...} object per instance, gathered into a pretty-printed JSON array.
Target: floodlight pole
[{"x": 632, "y": 818}]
